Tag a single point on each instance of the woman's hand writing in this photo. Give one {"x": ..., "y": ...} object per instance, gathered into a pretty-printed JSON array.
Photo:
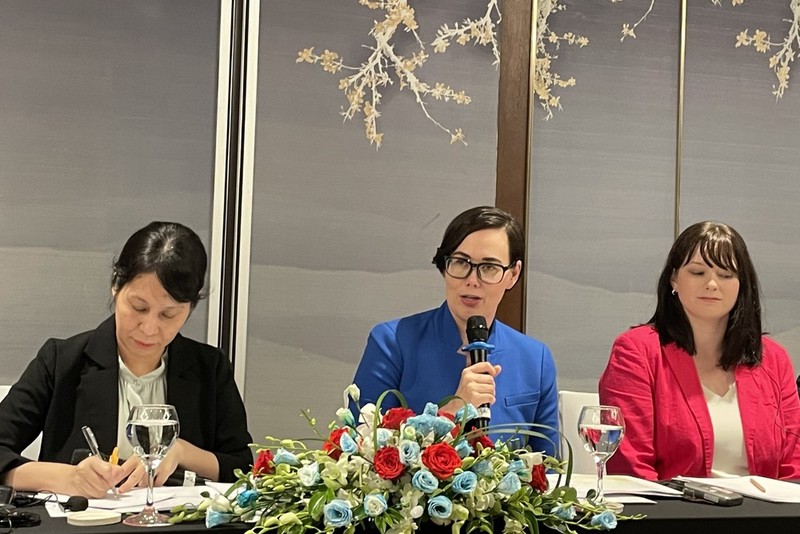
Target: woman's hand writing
[
  {"x": 93, "y": 477},
  {"x": 137, "y": 477}
]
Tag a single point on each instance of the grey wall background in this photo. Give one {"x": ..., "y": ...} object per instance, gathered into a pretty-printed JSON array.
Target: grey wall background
[
  {"x": 343, "y": 235},
  {"x": 107, "y": 113},
  {"x": 742, "y": 152},
  {"x": 604, "y": 172}
]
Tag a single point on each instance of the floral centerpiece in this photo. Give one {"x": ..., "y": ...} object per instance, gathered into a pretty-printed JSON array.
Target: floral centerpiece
[{"x": 395, "y": 471}]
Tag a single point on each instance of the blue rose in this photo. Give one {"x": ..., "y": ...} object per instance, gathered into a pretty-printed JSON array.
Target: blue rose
[
  {"x": 285, "y": 457},
  {"x": 431, "y": 408},
  {"x": 564, "y": 512},
  {"x": 510, "y": 484},
  {"x": 442, "y": 426},
  {"x": 517, "y": 466},
  {"x": 214, "y": 518},
  {"x": 463, "y": 448},
  {"x": 605, "y": 520},
  {"x": 409, "y": 452},
  {"x": 425, "y": 481},
  {"x": 384, "y": 435},
  {"x": 472, "y": 413},
  {"x": 338, "y": 513},
  {"x": 348, "y": 444},
  {"x": 422, "y": 423},
  {"x": 346, "y": 417},
  {"x": 309, "y": 474},
  {"x": 465, "y": 483},
  {"x": 440, "y": 507},
  {"x": 375, "y": 504},
  {"x": 246, "y": 498},
  {"x": 483, "y": 468}
]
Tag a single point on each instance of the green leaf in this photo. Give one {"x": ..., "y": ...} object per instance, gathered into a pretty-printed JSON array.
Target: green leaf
[{"x": 316, "y": 505}]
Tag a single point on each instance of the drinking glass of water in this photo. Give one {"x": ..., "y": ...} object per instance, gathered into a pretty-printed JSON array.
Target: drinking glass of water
[
  {"x": 152, "y": 429},
  {"x": 601, "y": 428}
]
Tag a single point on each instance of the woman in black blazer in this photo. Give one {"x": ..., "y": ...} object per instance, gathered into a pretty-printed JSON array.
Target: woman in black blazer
[{"x": 135, "y": 356}]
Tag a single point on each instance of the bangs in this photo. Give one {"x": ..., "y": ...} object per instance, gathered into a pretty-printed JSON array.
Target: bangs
[{"x": 717, "y": 248}]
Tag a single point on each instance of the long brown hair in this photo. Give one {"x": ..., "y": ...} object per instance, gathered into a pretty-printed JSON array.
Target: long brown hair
[{"x": 720, "y": 245}]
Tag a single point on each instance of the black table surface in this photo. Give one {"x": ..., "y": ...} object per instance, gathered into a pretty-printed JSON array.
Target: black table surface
[
  {"x": 677, "y": 516},
  {"x": 56, "y": 525},
  {"x": 673, "y": 516}
]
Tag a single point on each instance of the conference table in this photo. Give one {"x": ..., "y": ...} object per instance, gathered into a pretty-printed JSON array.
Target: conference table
[
  {"x": 673, "y": 516},
  {"x": 677, "y": 516}
]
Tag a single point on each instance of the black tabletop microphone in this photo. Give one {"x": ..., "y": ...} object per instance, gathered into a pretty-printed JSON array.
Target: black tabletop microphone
[
  {"x": 75, "y": 504},
  {"x": 477, "y": 335}
]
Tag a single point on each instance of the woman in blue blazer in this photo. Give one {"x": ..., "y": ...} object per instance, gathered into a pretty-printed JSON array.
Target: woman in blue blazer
[
  {"x": 480, "y": 258},
  {"x": 135, "y": 356}
]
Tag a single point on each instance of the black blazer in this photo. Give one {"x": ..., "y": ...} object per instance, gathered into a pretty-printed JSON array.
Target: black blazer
[{"x": 74, "y": 382}]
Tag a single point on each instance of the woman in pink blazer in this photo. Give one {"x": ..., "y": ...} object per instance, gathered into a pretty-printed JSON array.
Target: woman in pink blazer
[{"x": 703, "y": 392}]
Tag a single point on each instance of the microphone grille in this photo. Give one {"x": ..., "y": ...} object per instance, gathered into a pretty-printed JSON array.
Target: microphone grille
[
  {"x": 477, "y": 329},
  {"x": 76, "y": 504}
]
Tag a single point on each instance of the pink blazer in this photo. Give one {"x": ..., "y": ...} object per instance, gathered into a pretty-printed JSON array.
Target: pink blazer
[{"x": 668, "y": 428}]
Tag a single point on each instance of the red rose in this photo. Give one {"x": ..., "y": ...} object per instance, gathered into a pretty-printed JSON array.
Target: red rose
[
  {"x": 539, "y": 480},
  {"x": 442, "y": 459},
  {"x": 331, "y": 446},
  {"x": 394, "y": 417},
  {"x": 387, "y": 463},
  {"x": 483, "y": 440},
  {"x": 263, "y": 463}
]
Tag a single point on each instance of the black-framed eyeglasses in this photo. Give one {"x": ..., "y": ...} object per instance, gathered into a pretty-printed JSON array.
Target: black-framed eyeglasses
[{"x": 491, "y": 273}]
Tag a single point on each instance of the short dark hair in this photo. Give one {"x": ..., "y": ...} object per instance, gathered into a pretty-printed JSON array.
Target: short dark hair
[
  {"x": 480, "y": 218},
  {"x": 721, "y": 245},
  {"x": 170, "y": 250}
]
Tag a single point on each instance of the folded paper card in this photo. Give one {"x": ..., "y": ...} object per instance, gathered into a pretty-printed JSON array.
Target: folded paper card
[{"x": 93, "y": 518}]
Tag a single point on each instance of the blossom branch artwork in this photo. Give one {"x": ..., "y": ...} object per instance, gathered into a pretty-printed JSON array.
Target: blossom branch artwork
[
  {"x": 363, "y": 88},
  {"x": 385, "y": 66},
  {"x": 481, "y": 31},
  {"x": 548, "y": 43},
  {"x": 780, "y": 62},
  {"x": 629, "y": 30}
]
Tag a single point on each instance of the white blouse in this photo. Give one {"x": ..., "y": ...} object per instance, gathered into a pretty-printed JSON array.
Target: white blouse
[
  {"x": 730, "y": 456},
  {"x": 135, "y": 391}
]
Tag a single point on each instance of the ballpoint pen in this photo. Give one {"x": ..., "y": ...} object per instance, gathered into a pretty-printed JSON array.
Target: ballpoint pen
[{"x": 92, "y": 441}]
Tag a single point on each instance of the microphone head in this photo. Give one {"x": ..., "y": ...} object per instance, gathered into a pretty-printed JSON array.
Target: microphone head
[
  {"x": 76, "y": 504},
  {"x": 477, "y": 329}
]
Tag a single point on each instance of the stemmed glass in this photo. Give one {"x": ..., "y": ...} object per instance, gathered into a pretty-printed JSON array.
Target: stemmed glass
[
  {"x": 601, "y": 428},
  {"x": 152, "y": 429}
]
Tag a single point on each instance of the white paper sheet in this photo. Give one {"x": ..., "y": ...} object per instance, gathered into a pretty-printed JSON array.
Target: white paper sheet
[
  {"x": 622, "y": 488},
  {"x": 775, "y": 490},
  {"x": 164, "y": 498}
]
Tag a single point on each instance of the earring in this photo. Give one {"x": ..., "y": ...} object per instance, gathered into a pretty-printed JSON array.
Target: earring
[{"x": 674, "y": 291}]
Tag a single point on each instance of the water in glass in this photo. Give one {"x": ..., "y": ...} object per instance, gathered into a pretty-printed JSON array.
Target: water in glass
[
  {"x": 151, "y": 430},
  {"x": 601, "y": 428}
]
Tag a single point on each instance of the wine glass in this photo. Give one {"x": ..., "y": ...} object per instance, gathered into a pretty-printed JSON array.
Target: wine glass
[
  {"x": 152, "y": 429},
  {"x": 601, "y": 428}
]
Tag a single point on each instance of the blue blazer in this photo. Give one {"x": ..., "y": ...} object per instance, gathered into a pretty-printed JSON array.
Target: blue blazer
[
  {"x": 74, "y": 382},
  {"x": 418, "y": 355}
]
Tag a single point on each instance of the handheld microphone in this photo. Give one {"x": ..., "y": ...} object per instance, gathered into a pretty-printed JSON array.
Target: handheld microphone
[{"x": 477, "y": 335}]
